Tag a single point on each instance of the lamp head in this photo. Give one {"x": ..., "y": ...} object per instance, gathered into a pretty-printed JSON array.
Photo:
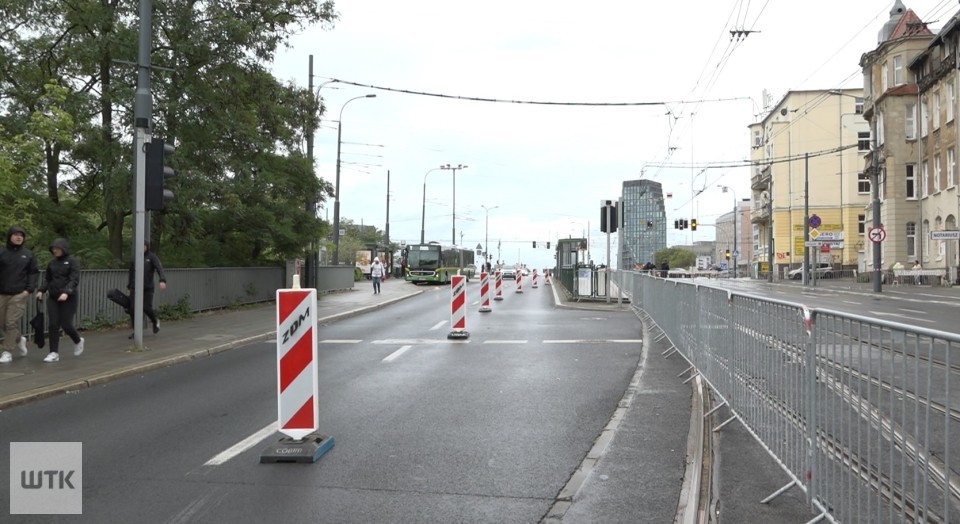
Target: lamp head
[{"x": 371, "y": 95}]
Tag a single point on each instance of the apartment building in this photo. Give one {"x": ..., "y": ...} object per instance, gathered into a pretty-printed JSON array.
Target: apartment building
[
  {"x": 734, "y": 232},
  {"x": 936, "y": 200},
  {"x": 808, "y": 157},
  {"x": 906, "y": 124}
]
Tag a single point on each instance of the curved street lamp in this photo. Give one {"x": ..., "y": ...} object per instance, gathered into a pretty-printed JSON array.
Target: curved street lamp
[{"x": 336, "y": 201}]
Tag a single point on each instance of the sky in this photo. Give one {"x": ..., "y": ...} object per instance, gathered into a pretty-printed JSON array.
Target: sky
[{"x": 609, "y": 91}]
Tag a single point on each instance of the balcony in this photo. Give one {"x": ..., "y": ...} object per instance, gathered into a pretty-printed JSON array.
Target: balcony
[
  {"x": 761, "y": 181},
  {"x": 760, "y": 215}
]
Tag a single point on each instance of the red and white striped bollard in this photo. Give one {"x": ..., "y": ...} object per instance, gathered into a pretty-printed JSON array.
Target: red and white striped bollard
[{"x": 458, "y": 312}]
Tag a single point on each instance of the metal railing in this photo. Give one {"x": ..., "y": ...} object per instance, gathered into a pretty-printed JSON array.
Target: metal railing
[{"x": 862, "y": 414}]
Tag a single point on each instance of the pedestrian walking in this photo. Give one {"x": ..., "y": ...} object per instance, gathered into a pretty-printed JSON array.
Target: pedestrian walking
[
  {"x": 376, "y": 274},
  {"x": 18, "y": 280},
  {"x": 61, "y": 281},
  {"x": 664, "y": 269},
  {"x": 151, "y": 267}
]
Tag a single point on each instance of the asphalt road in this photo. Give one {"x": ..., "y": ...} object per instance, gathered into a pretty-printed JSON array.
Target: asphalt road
[{"x": 426, "y": 429}]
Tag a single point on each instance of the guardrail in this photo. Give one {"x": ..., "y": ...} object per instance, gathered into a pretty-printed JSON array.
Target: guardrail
[{"x": 862, "y": 414}]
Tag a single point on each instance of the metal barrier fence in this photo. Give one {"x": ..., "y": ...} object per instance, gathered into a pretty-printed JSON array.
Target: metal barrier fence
[
  {"x": 861, "y": 413},
  {"x": 201, "y": 289}
]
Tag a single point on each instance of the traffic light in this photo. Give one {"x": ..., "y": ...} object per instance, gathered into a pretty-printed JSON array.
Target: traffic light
[
  {"x": 548, "y": 245},
  {"x": 608, "y": 216},
  {"x": 684, "y": 223},
  {"x": 727, "y": 254},
  {"x": 156, "y": 195},
  {"x": 676, "y": 224},
  {"x": 534, "y": 244},
  {"x": 693, "y": 224}
]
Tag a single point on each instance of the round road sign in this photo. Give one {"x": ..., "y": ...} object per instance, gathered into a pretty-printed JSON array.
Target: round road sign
[{"x": 877, "y": 234}]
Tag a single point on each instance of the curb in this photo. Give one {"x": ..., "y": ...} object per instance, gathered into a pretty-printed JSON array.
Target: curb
[{"x": 64, "y": 388}]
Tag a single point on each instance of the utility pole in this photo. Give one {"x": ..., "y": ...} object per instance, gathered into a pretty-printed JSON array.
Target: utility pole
[
  {"x": 386, "y": 231},
  {"x": 313, "y": 257}
]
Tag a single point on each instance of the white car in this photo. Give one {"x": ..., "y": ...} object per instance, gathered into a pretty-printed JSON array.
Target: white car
[
  {"x": 508, "y": 273},
  {"x": 823, "y": 270}
]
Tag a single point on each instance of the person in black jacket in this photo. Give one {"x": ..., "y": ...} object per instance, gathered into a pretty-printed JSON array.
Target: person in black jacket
[
  {"x": 151, "y": 266},
  {"x": 18, "y": 280},
  {"x": 60, "y": 282}
]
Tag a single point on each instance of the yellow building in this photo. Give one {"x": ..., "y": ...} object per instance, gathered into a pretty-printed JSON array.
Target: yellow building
[{"x": 808, "y": 157}]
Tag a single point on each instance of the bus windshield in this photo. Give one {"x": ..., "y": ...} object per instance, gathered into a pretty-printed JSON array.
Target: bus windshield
[{"x": 423, "y": 258}]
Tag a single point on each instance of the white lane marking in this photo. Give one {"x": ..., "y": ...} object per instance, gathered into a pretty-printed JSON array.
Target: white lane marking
[
  {"x": 243, "y": 445},
  {"x": 504, "y": 341},
  {"x": 851, "y": 302},
  {"x": 408, "y": 341},
  {"x": 905, "y": 317},
  {"x": 594, "y": 341},
  {"x": 397, "y": 353},
  {"x": 912, "y": 311},
  {"x": 335, "y": 341},
  {"x": 438, "y": 325}
]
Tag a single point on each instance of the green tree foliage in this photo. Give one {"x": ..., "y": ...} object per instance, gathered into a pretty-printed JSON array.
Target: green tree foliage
[
  {"x": 66, "y": 127},
  {"x": 675, "y": 257}
]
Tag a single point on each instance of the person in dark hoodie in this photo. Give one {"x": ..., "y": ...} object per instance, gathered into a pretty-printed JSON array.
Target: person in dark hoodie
[
  {"x": 151, "y": 266},
  {"x": 18, "y": 280},
  {"x": 60, "y": 282}
]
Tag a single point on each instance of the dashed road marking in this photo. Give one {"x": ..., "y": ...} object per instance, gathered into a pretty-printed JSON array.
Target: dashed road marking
[
  {"x": 335, "y": 341},
  {"x": 397, "y": 353},
  {"x": 242, "y": 446},
  {"x": 438, "y": 325}
]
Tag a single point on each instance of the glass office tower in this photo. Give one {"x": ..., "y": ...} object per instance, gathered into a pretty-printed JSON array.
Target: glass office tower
[{"x": 644, "y": 226}]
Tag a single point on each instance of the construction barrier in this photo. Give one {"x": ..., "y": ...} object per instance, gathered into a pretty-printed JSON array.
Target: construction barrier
[
  {"x": 519, "y": 282},
  {"x": 534, "y": 285},
  {"x": 498, "y": 281},
  {"x": 458, "y": 311},
  {"x": 484, "y": 292}
]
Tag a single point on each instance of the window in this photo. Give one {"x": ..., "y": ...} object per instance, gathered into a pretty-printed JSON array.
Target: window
[
  {"x": 756, "y": 138},
  {"x": 884, "y": 77},
  {"x": 925, "y": 233},
  {"x": 924, "y": 115},
  {"x": 910, "y": 121},
  {"x": 863, "y": 141},
  {"x": 911, "y": 181},
  {"x": 951, "y": 99},
  {"x": 880, "y": 127},
  {"x": 936, "y": 110},
  {"x": 911, "y": 240},
  {"x": 951, "y": 167},
  {"x": 863, "y": 183},
  {"x": 937, "y": 173},
  {"x": 897, "y": 70},
  {"x": 925, "y": 181},
  {"x": 858, "y": 105},
  {"x": 861, "y": 224}
]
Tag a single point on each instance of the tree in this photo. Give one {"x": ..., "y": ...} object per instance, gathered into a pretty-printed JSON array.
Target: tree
[
  {"x": 676, "y": 257},
  {"x": 238, "y": 129}
]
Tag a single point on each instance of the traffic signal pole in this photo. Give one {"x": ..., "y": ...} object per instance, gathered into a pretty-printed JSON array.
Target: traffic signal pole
[{"x": 143, "y": 108}]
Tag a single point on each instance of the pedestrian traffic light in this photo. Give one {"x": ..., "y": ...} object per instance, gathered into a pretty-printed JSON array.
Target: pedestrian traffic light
[
  {"x": 155, "y": 194},
  {"x": 608, "y": 216},
  {"x": 534, "y": 244},
  {"x": 693, "y": 224}
]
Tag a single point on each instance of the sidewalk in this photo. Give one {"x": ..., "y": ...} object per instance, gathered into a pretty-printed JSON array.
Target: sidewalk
[{"x": 109, "y": 354}]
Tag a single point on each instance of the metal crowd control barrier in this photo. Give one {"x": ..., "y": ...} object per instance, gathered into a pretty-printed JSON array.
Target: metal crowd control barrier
[{"x": 862, "y": 414}]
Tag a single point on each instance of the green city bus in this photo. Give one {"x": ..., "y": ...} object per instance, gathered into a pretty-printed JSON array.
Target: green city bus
[{"x": 436, "y": 263}]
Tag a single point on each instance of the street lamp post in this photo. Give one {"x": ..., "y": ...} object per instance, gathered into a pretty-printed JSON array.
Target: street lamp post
[
  {"x": 453, "y": 228},
  {"x": 313, "y": 259},
  {"x": 423, "y": 213},
  {"x": 736, "y": 211},
  {"x": 336, "y": 201},
  {"x": 486, "y": 231}
]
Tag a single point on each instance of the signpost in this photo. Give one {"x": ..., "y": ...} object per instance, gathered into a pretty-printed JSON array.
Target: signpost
[{"x": 945, "y": 235}]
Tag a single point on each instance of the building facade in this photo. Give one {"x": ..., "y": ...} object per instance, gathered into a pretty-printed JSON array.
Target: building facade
[
  {"x": 644, "y": 222},
  {"x": 741, "y": 242},
  {"x": 938, "y": 201},
  {"x": 903, "y": 123}
]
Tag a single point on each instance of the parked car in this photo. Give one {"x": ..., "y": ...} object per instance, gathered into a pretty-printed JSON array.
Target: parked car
[{"x": 823, "y": 270}]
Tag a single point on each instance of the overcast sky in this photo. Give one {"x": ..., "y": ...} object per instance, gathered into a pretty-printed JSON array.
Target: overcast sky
[{"x": 691, "y": 90}]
